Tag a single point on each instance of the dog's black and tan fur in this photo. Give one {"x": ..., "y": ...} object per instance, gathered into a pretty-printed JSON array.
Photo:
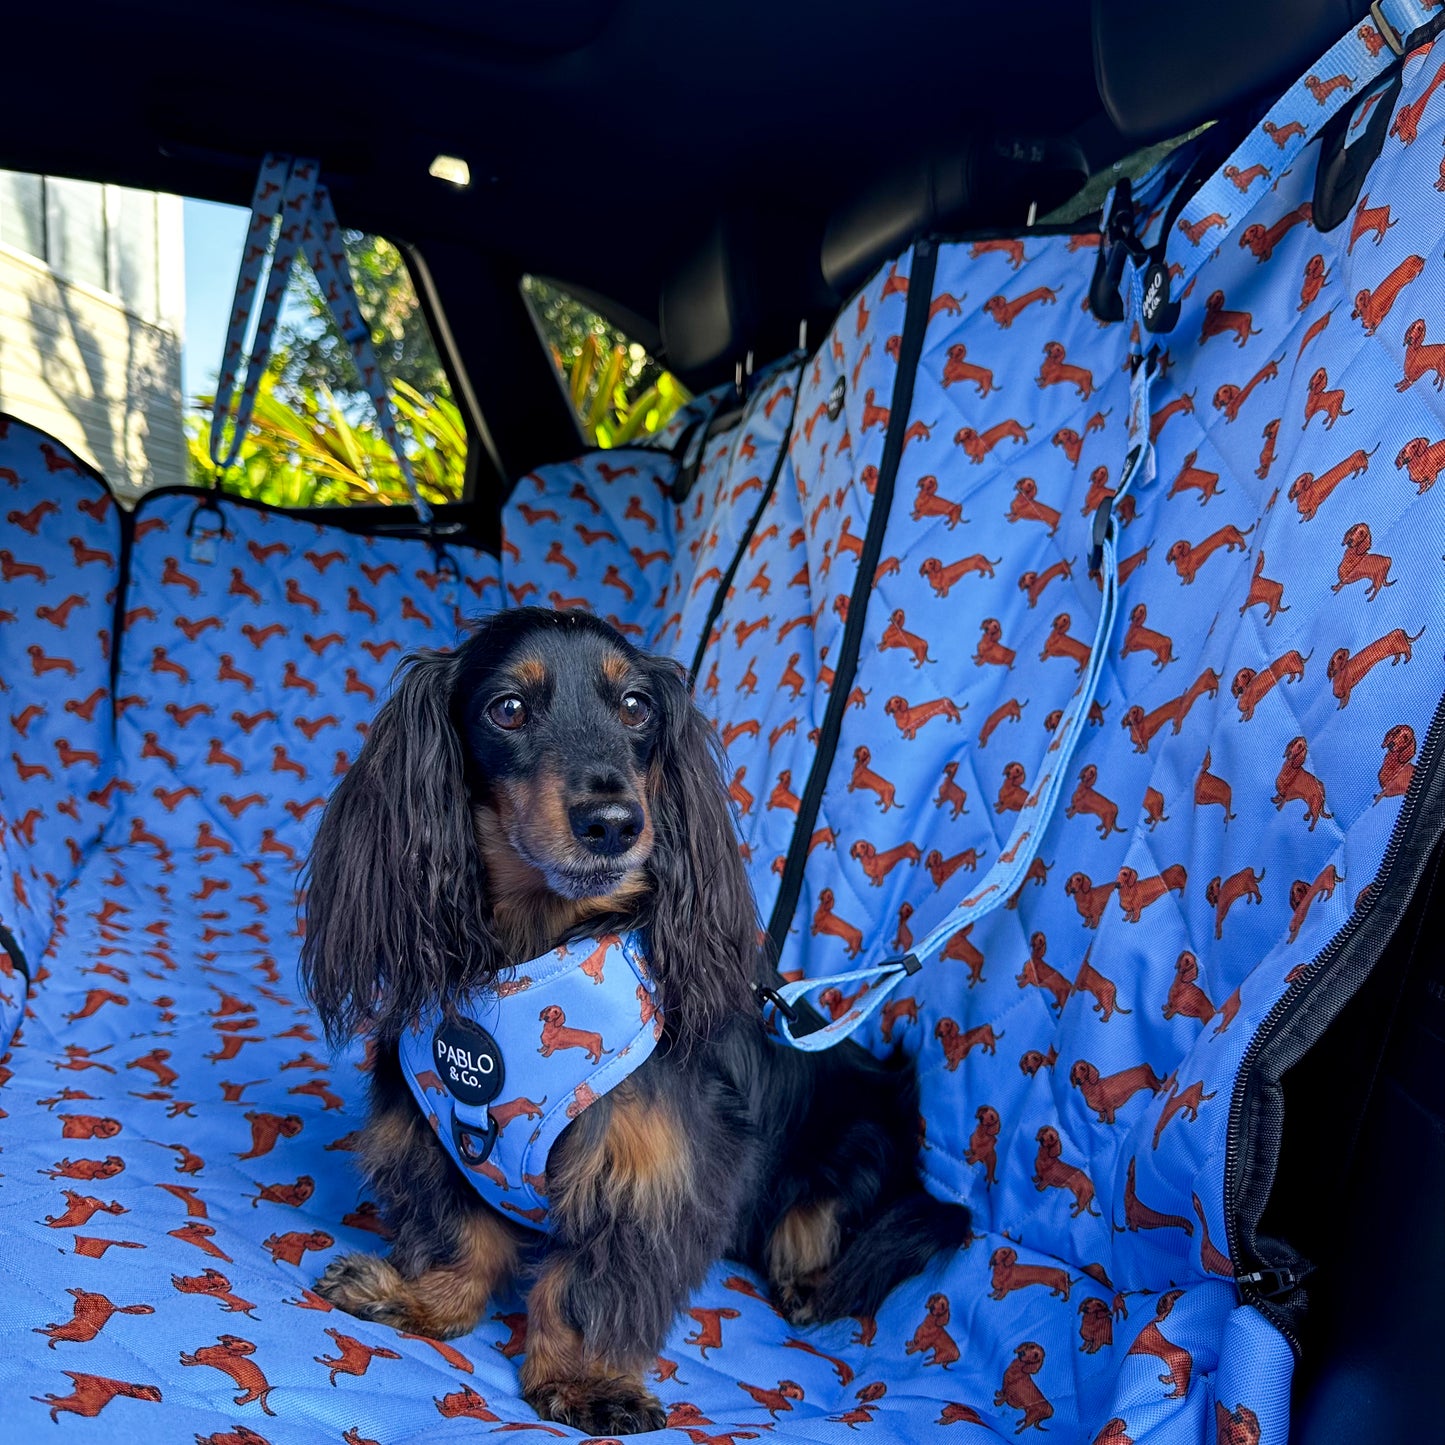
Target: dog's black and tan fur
[{"x": 544, "y": 781}]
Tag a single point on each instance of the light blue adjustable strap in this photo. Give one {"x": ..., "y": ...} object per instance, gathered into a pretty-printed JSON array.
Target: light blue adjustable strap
[
  {"x": 291, "y": 210},
  {"x": 1219, "y": 207}
]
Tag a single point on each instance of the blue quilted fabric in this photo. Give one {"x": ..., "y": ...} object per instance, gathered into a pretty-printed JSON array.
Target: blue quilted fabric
[{"x": 176, "y": 1138}]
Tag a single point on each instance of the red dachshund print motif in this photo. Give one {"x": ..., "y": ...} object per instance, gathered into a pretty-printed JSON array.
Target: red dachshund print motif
[
  {"x": 1101, "y": 989},
  {"x": 931, "y": 1339},
  {"x": 826, "y": 922},
  {"x": 1019, "y": 1390},
  {"x": 1220, "y": 322},
  {"x": 1397, "y": 772},
  {"x": 942, "y": 577},
  {"x": 1372, "y": 307},
  {"x": 1321, "y": 401},
  {"x": 958, "y": 1043},
  {"x": 354, "y": 1358},
  {"x": 957, "y": 367},
  {"x": 1368, "y": 221},
  {"x": 1422, "y": 461},
  {"x": 1096, "y": 1330},
  {"x": 941, "y": 869},
  {"x": 1086, "y": 800},
  {"x": 1196, "y": 231},
  {"x": 1249, "y": 687},
  {"x": 1140, "y": 638},
  {"x": 1058, "y": 643},
  {"x": 1177, "y": 1362},
  {"x": 1420, "y": 359},
  {"x": 1346, "y": 671},
  {"x": 1303, "y": 895},
  {"x": 1224, "y": 893},
  {"x": 1230, "y": 399},
  {"x": 929, "y": 504},
  {"x": 1136, "y": 893},
  {"x": 1005, "y": 312},
  {"x": 877, "y": 866},
  {"x": 91, "y": 1314},
  {"x": 1138, "y": 1215},
  {"x": 92, "y": 1393},
  {"x": 1009, "y": 1275},
  {"x": 895, "y": 635},
  {"x": 1187, "y": 559},
  {"x": 1295, "y": 784},
  {"x": 1239, "y": 1426},
  {"x": 990, "y": 650},
  {"x": 1051, "y": 1171},
  {"x": 865, "y": 779},
  {"x": 556, "y": 1034},
  {"x": 1039, "y": 973},
  {"x": 1186, "y": 999},
  {"x": 1192, "y": 478},
  {"x": 1263, "y": 592},
  {"x": 1186, "y": 1102},
  {"x": 232, "y": 1356},
  {"x": 1088, "y": 899},
  {"x": 1057, "y": 371},
  {"x": 909, "y": 719},
  {"x": 1260, "y": 241},
  {"x": 708, "y": 1334},
  {"x": 983, "y": 1143},
  {"x": 1106, "y": 1095},
  {"x": 1026, "y": 507},
  {"x": 977, "y": 445},
  {"x": 1033, "y": 584}
]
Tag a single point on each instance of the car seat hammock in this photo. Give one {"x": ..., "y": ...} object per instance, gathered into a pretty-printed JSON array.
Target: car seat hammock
[{"x": 1214, "y": 212}]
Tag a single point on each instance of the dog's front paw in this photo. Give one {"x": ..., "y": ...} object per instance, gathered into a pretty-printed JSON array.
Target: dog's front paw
[
  {"x": 367, "y": 1287},
  {"x": 794, "y": 1301},
  {"x": 607, "y": 1406}
]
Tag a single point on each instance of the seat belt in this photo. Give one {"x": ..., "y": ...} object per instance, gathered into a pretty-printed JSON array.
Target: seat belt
[
  {"x": 1363, "y": 55},
  {"x": 290, "y": 210}
]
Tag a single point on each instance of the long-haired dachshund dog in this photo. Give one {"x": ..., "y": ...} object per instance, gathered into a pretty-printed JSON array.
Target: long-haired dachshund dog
[{"x": 548, "y": 781}]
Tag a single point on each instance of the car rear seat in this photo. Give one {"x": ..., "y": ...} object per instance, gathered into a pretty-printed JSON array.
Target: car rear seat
[{"x": 1080, "y": 1052}]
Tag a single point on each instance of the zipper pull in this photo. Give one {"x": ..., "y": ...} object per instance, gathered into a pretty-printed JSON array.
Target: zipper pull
[{"x": 1271, "y": 1283}]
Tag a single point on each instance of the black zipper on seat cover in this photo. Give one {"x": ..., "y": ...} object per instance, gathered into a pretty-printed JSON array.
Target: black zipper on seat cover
[
  {"x": 1270, "y": 1282},
  {"x": 915, "y": 323}
]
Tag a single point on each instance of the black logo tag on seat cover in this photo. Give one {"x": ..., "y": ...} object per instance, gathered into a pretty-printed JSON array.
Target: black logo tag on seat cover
[
  {"x": 468, "y": 1062},
  {"x": 835, "y": 399}
]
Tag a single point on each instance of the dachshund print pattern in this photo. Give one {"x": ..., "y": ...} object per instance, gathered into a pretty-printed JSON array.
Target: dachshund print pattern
[{"x": 176, "y": 1135}]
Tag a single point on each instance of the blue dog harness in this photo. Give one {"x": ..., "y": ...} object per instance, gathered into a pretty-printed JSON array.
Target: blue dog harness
[{"x": 502, "y": 1077}]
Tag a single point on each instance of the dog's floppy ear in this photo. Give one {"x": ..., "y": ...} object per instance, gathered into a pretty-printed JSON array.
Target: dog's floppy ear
[
  {"x": 704, "y": 931},
  {"x": 395, "y": 886}
]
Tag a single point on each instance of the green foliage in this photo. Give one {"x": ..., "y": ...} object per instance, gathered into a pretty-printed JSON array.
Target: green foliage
[
  {"x": 617, "y": 390},
  {"x": 303, "y": 450}
]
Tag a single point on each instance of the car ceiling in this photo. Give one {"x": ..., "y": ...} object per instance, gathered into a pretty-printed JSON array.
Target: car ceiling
[{"x": 600, "y": 133}]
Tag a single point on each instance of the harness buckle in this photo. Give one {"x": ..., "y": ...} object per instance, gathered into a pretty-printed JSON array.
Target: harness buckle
[
  {"x": 1103, "y": 522},
  {"x": 1388, "y": 33}
]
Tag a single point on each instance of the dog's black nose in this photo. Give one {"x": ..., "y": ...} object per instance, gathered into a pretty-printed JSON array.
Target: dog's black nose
[{"x": 606, "y": 828}]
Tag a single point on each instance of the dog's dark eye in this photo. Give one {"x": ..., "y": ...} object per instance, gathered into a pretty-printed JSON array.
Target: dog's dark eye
[
  {"x": 508, "y": 712},
  {"x": 635, "y": 710}
]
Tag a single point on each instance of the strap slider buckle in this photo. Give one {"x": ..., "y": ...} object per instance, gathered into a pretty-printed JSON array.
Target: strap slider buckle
[
  {"x": 910, "y": 963},
  {"x": 1388, "y": 33},
  {"x": 1103, "y": 524}
]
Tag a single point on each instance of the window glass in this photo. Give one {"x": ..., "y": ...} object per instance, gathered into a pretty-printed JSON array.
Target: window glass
[
  {"x": 135, "y": 277},
  {"x": 617, "y": 390},
  {"x": 314, "y": 438}
]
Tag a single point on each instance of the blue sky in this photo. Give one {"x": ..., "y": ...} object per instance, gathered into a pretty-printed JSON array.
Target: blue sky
[{"x": 214, "y": 235}]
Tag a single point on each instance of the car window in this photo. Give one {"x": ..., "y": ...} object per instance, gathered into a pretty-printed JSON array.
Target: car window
[
  {"x": 618, "y": 391},
  {"x": 114, "y": 305}
]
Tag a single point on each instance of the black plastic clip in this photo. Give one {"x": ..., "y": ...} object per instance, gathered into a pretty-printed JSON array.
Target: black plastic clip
[
  {"x": 474, "y": 1145},
  {"x": 1103, "y": 522},
  {"x": 910, "y": 963},
  {"x": 1118, "y": 242},
  {"x": 772, "y": 996}
]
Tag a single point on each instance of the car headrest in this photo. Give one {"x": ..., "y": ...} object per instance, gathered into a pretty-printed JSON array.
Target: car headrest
[
  {"x": 744, "y": 288},
  {"x": 1162, "y": 69},
  {"x": 989, "y": 182}
]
